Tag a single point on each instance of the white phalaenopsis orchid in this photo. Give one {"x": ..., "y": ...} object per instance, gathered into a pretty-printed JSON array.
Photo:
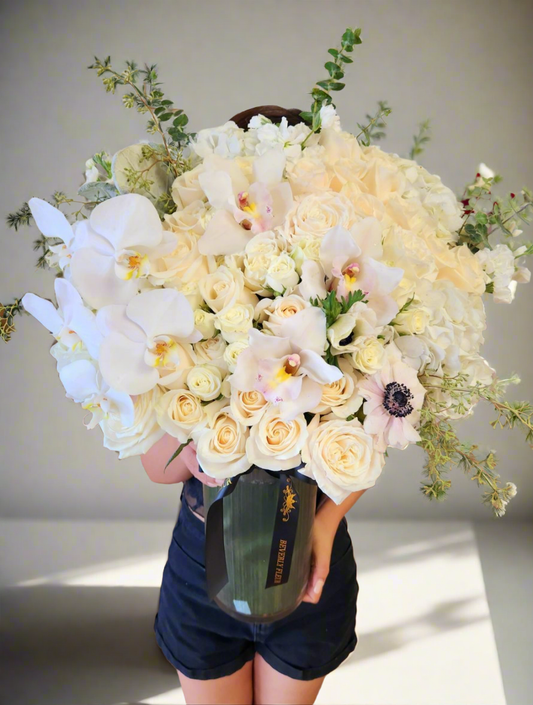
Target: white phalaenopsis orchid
[
  {"x": 144, "y": 340},
  {"x": 84, "y": 384},
  {"x": 72, "y": 323},
  {"x": 349, "y": 260},
  {"x": 288, "y": 369},
  {"x": 243, "y": 209},
  {"x": 112, "y": 263}
]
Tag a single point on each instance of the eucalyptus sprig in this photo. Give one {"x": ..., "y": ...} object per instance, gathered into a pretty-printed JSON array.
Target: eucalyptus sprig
[
  {"x": 321, "y": 93},
  {"x": 147, "y": 97},
  {"x": 7, "y": 318},
  {"x": 375, "y": 129},
  {"x": 422, "y": 137}
]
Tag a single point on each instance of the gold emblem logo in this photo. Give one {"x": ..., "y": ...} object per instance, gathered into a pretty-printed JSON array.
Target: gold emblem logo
[{"x": 289, "y": 501}]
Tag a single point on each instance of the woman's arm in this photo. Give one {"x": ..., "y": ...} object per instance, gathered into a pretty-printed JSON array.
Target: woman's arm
[
  {"x": 327, "y": 520},
  {"x": 157, "y": 457}
]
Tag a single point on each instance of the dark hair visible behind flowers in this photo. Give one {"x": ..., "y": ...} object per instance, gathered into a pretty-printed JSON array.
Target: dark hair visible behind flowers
[{"x": 272, "y": 112}]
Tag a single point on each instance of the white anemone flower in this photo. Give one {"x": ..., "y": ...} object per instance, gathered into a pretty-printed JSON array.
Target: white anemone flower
[
  {"x": 288, "y": 370},
  {"x": 349, "y": 260},
  {"x": 143, "y": 340},
  {"x": 242, "y": 209},
  {"x": 72, "y": 323},
  {"x": 84, "y": 384}
]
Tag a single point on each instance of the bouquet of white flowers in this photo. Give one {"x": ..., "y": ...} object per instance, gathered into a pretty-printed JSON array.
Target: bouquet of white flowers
[{"x": 280, "y": 291}]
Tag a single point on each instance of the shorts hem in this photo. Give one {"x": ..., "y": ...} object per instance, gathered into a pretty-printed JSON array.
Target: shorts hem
[
  {"x": 305, "y": 674},
  {"x": 204, "y": 674}
]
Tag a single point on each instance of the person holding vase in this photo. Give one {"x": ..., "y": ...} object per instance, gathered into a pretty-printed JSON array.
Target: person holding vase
[{"x": 220, "y": 659}]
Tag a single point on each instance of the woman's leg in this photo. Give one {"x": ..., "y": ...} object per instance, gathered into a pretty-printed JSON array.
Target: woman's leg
[
  {"x": 235, "y": 689},
  {"x": 272, "y": 687}
]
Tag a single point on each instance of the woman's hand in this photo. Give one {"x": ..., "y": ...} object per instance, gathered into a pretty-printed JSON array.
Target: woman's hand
[
  {"x": 324, "y": 530},
  {"x": 191, "y": 462}
]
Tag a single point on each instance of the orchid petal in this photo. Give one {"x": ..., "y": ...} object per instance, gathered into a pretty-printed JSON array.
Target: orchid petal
[
  {"x": 318, "y": 369},
  {"x": 306, "y": 330},
  {"x": 83, "y": 323},
  {"x": 93, "y": 275},
  {"x": 162, "y": 312},
  {"x": 214, "y": 162},
  {"x": 218, "y": 188},
  {"x": 122, "y": 365},
  {"x": 85, "y": 236},
  {"x": 128, "y": 220},
  {"x": 313, "y": 278},
  {"x": 338, "y": 248},
  {"x": 223, "y": 236},
  {"x": 386, "y": 278},
  {"x": 367, "y": 234},
  {"x": 68, "y": 298},
  {"x": 113, "y": 319},
  {"x": 385, "y": 308},
  {"x": 245, "y": 375},
  {"x": 124, "y": 404},
  {"x": 268, "y": 346},
  {"x": 50, "y": 221},
  {"x": 282, "y": 201},
  {"x": 79, "y": 380},
  {"x": 268, "y": 169},
  {"x": 309, "y": 397},
  {"x": 44, "y": 311}
]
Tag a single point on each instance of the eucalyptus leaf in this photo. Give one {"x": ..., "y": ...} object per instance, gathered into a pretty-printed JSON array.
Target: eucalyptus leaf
[{"x": 98, "y": 191}]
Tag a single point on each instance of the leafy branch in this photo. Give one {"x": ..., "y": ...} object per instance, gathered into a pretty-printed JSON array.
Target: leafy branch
[
  {"x": 321, "y": 93},
  {"x": 20, "y": 217},
  {"x": 422, "y": 137},
  {"x": 7, "y": 317},
  {"x": 334, "y": 307},
  {"x": 375, "y": 129}
]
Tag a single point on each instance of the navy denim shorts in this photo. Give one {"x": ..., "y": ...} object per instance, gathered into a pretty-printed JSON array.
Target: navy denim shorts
[{"x": 203, "y": 642}]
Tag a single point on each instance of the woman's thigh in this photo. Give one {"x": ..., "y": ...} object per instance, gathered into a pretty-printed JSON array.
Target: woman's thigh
[
  {"x": 235, "y": 689},
  {"x": 271, "y": 686}
]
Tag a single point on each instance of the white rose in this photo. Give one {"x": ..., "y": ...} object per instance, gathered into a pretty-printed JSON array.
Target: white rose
[
  {"x": 341, "y": 397},
  {"x": 281, "y": 273},
  {"x": 205, "y": 381},
  {"x": 413, "y": 321},
  {"x": 221, "y": 448},
  {"x": 138, "y": 438},
  {"x": 232, "y": 352},
  {"x": 275, "y": 444},
  {"x": 248, "y": 407},
  {"x": 179, "y": 412},
  {"x": 368, "y": 355},
  {"x": 259, "y": 253},
  {"x": 204, "y": 321},
  {"x": 273, "y": 312},
  {"x": 235, "y": 321},
  {"x": 315, "y": 214},
  {"x": 186, "y": 188},
  {"x": 308, "y": 175},
  {"x": 212, "y": 349},
  {"x": 341, "y": 458},
  {"x": 184, "y": 264},
  {"x": 225, "y": 287}
]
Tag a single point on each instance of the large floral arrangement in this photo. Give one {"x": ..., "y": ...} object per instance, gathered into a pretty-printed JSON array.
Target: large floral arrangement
[{"x": 279, "y": 294}]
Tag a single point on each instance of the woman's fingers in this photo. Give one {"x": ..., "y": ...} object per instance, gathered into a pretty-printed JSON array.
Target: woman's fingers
[{"x": 320, "y": 561}]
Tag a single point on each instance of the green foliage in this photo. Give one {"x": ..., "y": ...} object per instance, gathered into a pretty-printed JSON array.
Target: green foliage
[
  {"x": 20, "y": 217},
  {"x": 422, "y": 137},
  {"x": 375, "y": 129},
  {"x": 444, "y": 449},
  {"x": 146, "y": 96},
  {"x": 333, "y": 308},
  {"x": 177, "y": 452},
  {"x": 7, "y": 317},
  {"x": 321, "y": 93}
]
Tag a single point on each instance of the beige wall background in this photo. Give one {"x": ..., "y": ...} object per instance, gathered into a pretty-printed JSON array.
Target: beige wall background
[{"x": 466, "y": 65}]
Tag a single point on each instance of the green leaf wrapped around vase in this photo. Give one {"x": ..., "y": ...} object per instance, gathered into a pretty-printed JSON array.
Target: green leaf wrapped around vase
[{"x": 249, "y": 523}]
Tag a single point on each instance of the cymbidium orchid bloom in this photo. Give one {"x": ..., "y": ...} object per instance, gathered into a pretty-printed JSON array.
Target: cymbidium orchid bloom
[
  {"x": 288, "y": 369},
  {"x": 394, "y": 397},
  {"x": 112, "y": 263},
  {"x": 84, "y": 384},
  {"x": 349, "y": 260},
  {"x": 243, "y": 209},
  {"x": 144, "y": 341},
  {"x": 72, "y": 324}
]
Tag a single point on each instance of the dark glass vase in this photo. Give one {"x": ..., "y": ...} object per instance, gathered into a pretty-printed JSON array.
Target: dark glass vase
[{"x": 249, "y": 518}]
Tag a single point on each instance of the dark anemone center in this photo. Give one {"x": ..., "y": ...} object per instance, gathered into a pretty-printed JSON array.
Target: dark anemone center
[{"x": 397, "y": 399}]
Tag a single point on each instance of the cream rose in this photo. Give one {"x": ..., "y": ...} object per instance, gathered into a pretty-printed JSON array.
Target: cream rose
[
  {"x": 314, "y": 215},
  {"x": 143, "y": 432},
  {"x": 281, "y": 274},
  {"x": 221, "y": 448},
  {"x": 210, "y": 350},
  {"x": 273, "y": 312},
  {"x": 232, "y": 352},
  {"x": 341, "y": 397},
  {"x": 460, "y": 266},
  {"x": 275, "y": 444},
  {"x": 205, "y": 381},
  {"x": 225, "y": 287},
  {"x": 179, "y": 413},
  {"x": 308, "y": 175},
  {"x": 204, "y": 321},
  {"x": 259, "y": 253},
  {"x": 341, "y": 457},
  {"x": 235, "y": 321},
  {"x": 368, "y": 355},
  {"x": 412, "y": 321},
  {"x": 248, "y": 407},
  {"x": 186, "y": 188},
  {"x": 184, "y": 263}
]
